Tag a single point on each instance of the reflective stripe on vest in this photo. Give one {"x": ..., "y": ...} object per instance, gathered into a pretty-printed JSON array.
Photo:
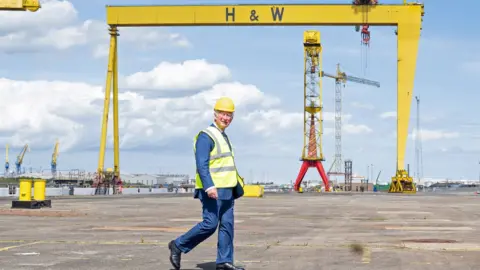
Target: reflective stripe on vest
[{"x": 221, "y": 166}]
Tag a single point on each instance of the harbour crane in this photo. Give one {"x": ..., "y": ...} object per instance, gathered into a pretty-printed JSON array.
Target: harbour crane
[
  {"x": 341, "y": 78},
  {"x": 54, "y": 159},
  {"x": 20, "y": 156},
  {"x": 20, "y": 5},
  {"x": 312, "y": 153},
  {"x": 7, "y": 164}
]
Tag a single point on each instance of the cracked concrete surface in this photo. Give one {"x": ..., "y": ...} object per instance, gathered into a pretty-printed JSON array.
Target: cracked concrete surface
[{"x": 279, "y": 231}]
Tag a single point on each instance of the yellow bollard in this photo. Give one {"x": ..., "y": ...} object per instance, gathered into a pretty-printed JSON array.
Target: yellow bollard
[
  {"x": 25, "y": 193},
  {"x": 39, "y": 189}
]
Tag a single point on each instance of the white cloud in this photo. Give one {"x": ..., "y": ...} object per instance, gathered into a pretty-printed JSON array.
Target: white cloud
[
  {"x": 271, "y": 121},
  {"x": 191, "y": 74},
  {"x": 268, "y": 122},
  {"x": 427, "y": 135},
  {"x": 386, "y": 115},
  {"x": 56, "y": 26},
  {"x": 38, "y": 112},
  {"x": 356, "y": 129}
]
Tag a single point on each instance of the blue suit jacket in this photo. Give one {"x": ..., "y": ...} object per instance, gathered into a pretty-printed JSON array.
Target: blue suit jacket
[{"x": 204, "y": 146}]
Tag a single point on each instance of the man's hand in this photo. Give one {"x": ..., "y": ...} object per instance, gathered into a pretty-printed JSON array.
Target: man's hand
[{"x": 212, "y": 193}]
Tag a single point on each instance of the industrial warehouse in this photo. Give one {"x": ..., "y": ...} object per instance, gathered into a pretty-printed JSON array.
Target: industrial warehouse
[{"x": 124, "y": 177}]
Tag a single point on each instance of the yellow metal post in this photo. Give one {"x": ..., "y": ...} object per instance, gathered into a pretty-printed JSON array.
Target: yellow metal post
[
  {"x": 320, "y": 102},
  {"x": 305, "y": 138},
  {"x": 39, "y": 189},
  {"x": 106, "y": 103},
  {"x": 116, "y": 147},
  {"x": 25, "y": 195},
  {"x": 25, "y": 192}
]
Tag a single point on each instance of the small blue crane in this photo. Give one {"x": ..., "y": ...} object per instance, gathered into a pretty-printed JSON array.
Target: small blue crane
[
  {"x": 20, "y": 156},
  {"x": 54, "y": 159}
]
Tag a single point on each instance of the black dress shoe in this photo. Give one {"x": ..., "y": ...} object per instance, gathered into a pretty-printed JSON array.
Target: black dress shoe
[
  {"x": 175, "y": 255},
  {"x": 228, "y": 266}
]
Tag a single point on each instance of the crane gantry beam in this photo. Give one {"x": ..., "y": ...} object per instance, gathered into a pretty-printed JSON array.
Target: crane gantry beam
[
  {"x": 407, "y": 17},
  {"x": 20, "y": 5}
]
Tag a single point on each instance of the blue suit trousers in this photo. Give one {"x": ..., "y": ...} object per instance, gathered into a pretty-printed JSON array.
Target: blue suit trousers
[{"x": 216, "y": 213}]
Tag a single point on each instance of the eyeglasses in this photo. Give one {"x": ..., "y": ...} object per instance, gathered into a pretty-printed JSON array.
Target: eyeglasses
[{"x": 224, "y": 114}]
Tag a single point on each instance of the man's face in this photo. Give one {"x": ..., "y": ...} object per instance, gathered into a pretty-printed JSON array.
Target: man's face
[{"x": 223, "y": 119}]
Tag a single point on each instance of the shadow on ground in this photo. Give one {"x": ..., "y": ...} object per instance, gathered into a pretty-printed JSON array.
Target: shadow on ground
[{"x": 205, "y": 266}]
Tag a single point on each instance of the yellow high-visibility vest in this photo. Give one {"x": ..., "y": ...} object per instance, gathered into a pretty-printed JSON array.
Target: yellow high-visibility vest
[{"x": 222, "y": 165}]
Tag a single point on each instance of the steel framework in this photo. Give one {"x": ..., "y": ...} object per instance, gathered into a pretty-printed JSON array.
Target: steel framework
[
  {"x": 407, "y": 17},
  {"x": 348, "y": 175},
  {"x": 340, "y": 79},
  {"x": 312, "y": 153}
]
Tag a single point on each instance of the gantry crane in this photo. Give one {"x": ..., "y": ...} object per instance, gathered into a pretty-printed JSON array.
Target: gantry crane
[
  {"x": 54, "y": 159},
  {"x": 312, "y": 154},
  {"x": 7, "y": 164},
  {"x": 406, "y": 17},
  {"x": 19, "y": 160},
  {"x": 20, "y": 5},
  {"x": 341, "y": 78}
]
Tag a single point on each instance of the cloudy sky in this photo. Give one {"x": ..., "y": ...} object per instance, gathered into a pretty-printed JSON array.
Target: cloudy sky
[{"x": 53, "y": 67}]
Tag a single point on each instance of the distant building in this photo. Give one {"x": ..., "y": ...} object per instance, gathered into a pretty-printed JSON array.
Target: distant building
[{"x": 155, "y": 179}]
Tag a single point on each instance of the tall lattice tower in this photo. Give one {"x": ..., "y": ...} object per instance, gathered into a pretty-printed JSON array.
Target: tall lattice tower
[
  {"x": 312, "y": 155},
  {"x": 418, "y": 146},
  {"x": 340, "y": 80}
]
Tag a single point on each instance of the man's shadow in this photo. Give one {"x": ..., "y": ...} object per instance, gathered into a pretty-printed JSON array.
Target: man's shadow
[{"x": 205, "y": 266}]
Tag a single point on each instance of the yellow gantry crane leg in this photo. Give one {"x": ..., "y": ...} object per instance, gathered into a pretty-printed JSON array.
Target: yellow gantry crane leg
[
  {"x": 407, "y": 17},
  {"x": 112, "y": 75}
]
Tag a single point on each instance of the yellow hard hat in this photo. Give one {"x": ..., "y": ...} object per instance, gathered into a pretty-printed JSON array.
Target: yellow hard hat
[{"x": 224, "y": 104}]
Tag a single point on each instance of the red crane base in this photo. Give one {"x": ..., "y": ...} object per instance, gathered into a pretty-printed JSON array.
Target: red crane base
[{"x": 303, "y": 170}]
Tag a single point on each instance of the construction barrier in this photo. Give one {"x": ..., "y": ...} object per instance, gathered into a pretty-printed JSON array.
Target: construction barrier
[
  {"x": 253, "y": 191},
  {"x": 25, "y": 193},
  {"x": 39, "y": 189}
]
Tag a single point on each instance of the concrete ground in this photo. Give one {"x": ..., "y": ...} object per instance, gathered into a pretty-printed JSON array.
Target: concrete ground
[{"x": 290, "y": 231}]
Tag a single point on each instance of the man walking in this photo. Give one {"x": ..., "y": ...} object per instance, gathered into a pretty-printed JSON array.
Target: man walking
[{"x": 217, "y": 185}]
